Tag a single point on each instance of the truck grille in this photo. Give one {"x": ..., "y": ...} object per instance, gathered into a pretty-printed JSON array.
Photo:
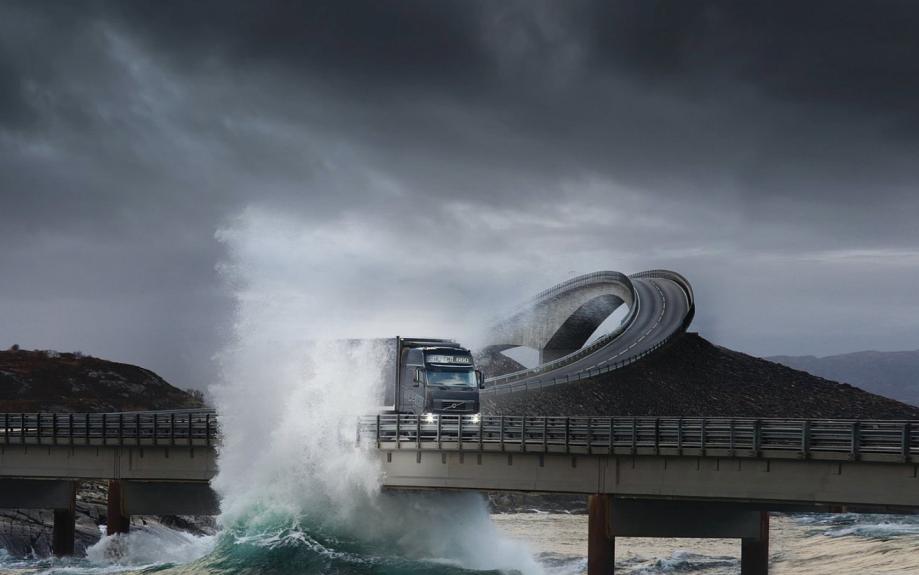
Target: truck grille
[{"x": 454, "y": 406}]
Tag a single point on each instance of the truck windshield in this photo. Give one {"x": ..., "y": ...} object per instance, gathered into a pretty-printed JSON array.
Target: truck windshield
[{"x": 451, "y": 378}]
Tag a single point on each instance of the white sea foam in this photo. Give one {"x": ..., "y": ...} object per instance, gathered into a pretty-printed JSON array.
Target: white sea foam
[{"x": 290, "y": 471}]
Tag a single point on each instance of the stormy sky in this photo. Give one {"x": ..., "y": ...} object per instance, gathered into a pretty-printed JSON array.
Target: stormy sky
[{"x": 766, "y": 150}]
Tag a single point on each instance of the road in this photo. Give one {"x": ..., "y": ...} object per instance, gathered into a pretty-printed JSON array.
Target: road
[{"x": 663, "y": 307}]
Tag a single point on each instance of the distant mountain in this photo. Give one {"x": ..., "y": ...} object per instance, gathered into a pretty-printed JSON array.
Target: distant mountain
[
  {"x": 33, "y": 381},
  {"x": 890, "y": 373}
]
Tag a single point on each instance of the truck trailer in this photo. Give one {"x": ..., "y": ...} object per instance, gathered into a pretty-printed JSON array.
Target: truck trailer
[{"x": 432, "y": 376}]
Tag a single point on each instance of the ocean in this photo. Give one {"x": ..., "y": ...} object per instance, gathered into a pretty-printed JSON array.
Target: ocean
[{"x": 552, "y": 543}]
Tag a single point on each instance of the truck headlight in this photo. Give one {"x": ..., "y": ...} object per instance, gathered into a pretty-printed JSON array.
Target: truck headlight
[
  {"x": 476, "y": 418},
  {"x": 429, "y": 418}
]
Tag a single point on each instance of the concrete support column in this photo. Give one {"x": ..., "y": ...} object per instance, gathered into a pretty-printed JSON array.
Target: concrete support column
[
  {"x": 64, "y": 529},
  {"x": 754, "y": 551},
  {"x": 117, "y": 521},
  {"x": 601, "y": 546}
]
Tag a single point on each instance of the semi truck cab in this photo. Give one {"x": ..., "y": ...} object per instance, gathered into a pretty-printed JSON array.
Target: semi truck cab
[{"x": 436, "y": 376}]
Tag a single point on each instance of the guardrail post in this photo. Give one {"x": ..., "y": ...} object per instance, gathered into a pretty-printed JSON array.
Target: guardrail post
[
  {"x": 907, "y": 440},
  {"x": 702, "y": 435},
  {"x": 610, "y": 439},
  {"x": 481, "y": 430},
  {"x": 459, "y": 431},
  {"x": 757, "y": 440},
  {"x": 38, "y": 428},
  {"x": 191, "y": 431},
  {"x": 172, "y": 429},
  {"x": 501, "y": 431},
  {"x": 634, "y": 436},
  {"x": 679, "y": 436},
  {"x": 805, "y": 438},
  {"x": 54, "y": 428},
  {"x": 523, "y": 435},
  {"x": 70, "y": 427},
  {"x": 439, "y": 444},
  {"x": 207, "y": 429},
  {"x": 378, "y": 431},
  {"x": 398, "y": 431},
  {"x": 6, "y": 428},
  {"x": 855, "y": 440},
  {"x": 733, "y": 439},
  {"x": 545, "y": 434},
  {"x": 418, "y": 433},
  {"x": 104, "y": 429},
  {"x": 567, "y": 435},
  {"x": 657, "y": 435},
  {"x": 120, "y": 429}
]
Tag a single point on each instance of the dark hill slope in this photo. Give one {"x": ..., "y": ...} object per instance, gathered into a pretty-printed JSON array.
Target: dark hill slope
[
  {"x": 65, "y": 382},
  {"x": 693, "y": 378},
  {"x": 891, "y": 373}
]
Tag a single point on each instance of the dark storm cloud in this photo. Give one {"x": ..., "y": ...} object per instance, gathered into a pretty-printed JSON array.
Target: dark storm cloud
[{"x": 692, "y": 134}]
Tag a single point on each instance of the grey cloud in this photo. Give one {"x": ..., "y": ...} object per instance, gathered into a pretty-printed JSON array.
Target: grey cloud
[{"x": 561, "y": 135}]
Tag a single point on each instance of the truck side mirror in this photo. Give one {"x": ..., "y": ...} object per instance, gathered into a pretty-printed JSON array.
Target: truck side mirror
[
  {"x": 480, "y": 378},
  {"x": 419, "y": 377}
]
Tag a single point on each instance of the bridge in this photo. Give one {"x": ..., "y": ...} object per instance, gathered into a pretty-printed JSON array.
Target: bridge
[
  {"x": 649, "y": 477},
  {"x": 156, "y": 463},
  {"x": 559, "y": 321}
]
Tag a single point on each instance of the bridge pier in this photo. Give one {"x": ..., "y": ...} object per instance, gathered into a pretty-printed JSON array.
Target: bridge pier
[
  {"x": 601, "y": 546},
  {"x": 63, "y": 532},
  {"x": 754, "y": 551},
  {"x": 611, "y": 517},
  {"x": 117, "y": 519}
]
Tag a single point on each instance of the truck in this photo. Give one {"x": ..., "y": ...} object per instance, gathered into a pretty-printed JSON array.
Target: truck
[{"x": 432, "y": 376}]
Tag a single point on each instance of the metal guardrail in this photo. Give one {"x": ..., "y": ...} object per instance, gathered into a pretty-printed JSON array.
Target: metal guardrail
[
  {"x": 508, "y": 383},
  {"x": 139, "y": 428},
  {"x": 716, "y": 437}
]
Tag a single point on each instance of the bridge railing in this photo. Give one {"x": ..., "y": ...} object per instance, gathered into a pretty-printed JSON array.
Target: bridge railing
[
  {"x": 138, "y": 428},
  {"x": 717, "y": 437}
]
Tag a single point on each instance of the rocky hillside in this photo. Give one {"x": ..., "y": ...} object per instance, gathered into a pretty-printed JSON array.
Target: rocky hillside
[
  {"x": 893, "y": 374},
  {"x": 692, "y": 377},
  {"x": 70, "y": 382}
]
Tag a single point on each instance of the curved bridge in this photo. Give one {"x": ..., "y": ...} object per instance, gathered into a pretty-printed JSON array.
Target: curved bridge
[{"x": 558, "y": 322}]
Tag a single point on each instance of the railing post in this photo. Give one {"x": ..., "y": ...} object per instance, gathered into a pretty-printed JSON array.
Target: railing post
[
  {"x": 545, "y": 434},
  {"x": 398, "y": 431},
  {"x": 610, "y": 438},
  {"x": 501, "y": 431},
  {"x": 459, "y": 431},
  {"x": 191, "y": 431},
  {"x": 634, "y": 435},
  {"x": 567, "y": 435},
  {"x": 156, "y": 429},
  {"x": 805, "y": 438},
  {"x": 733, "y": 439},
  {"x": 104, "y": 429},
  {"x": 137, "y": 429},
  {"x": 38, "y": 428},
  {"x": 702, "y": 435},
  {"x": 70, "y": 427},
  {"x": 907, "y": 440},
  {"x": 172, "y": 429},
  {"x": 657, "y": 435},
  {"x": 120, "y": 429},
  {"x": 679, "y": 436},
  {"x": 523, "y": 435},
  {"x": 6, "y": 428},
  {"x": 439, "y": 445},
  {"x": 481, "y": 430},
  {"x": 757, "y": 440},
  {"x": 54, "y": 428},
  {"x": 207, "y": 429},
  {"x": 856, "y": 440},
  {"x": 418, "y": 433},
  {"x": 378, "y": 431}
]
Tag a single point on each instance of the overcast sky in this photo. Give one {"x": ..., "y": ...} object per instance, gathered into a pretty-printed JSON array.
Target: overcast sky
[{"x": 769, "y": 151}]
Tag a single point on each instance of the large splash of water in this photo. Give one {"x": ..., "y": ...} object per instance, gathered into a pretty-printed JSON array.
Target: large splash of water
[{"x": 292, "y": 481}]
